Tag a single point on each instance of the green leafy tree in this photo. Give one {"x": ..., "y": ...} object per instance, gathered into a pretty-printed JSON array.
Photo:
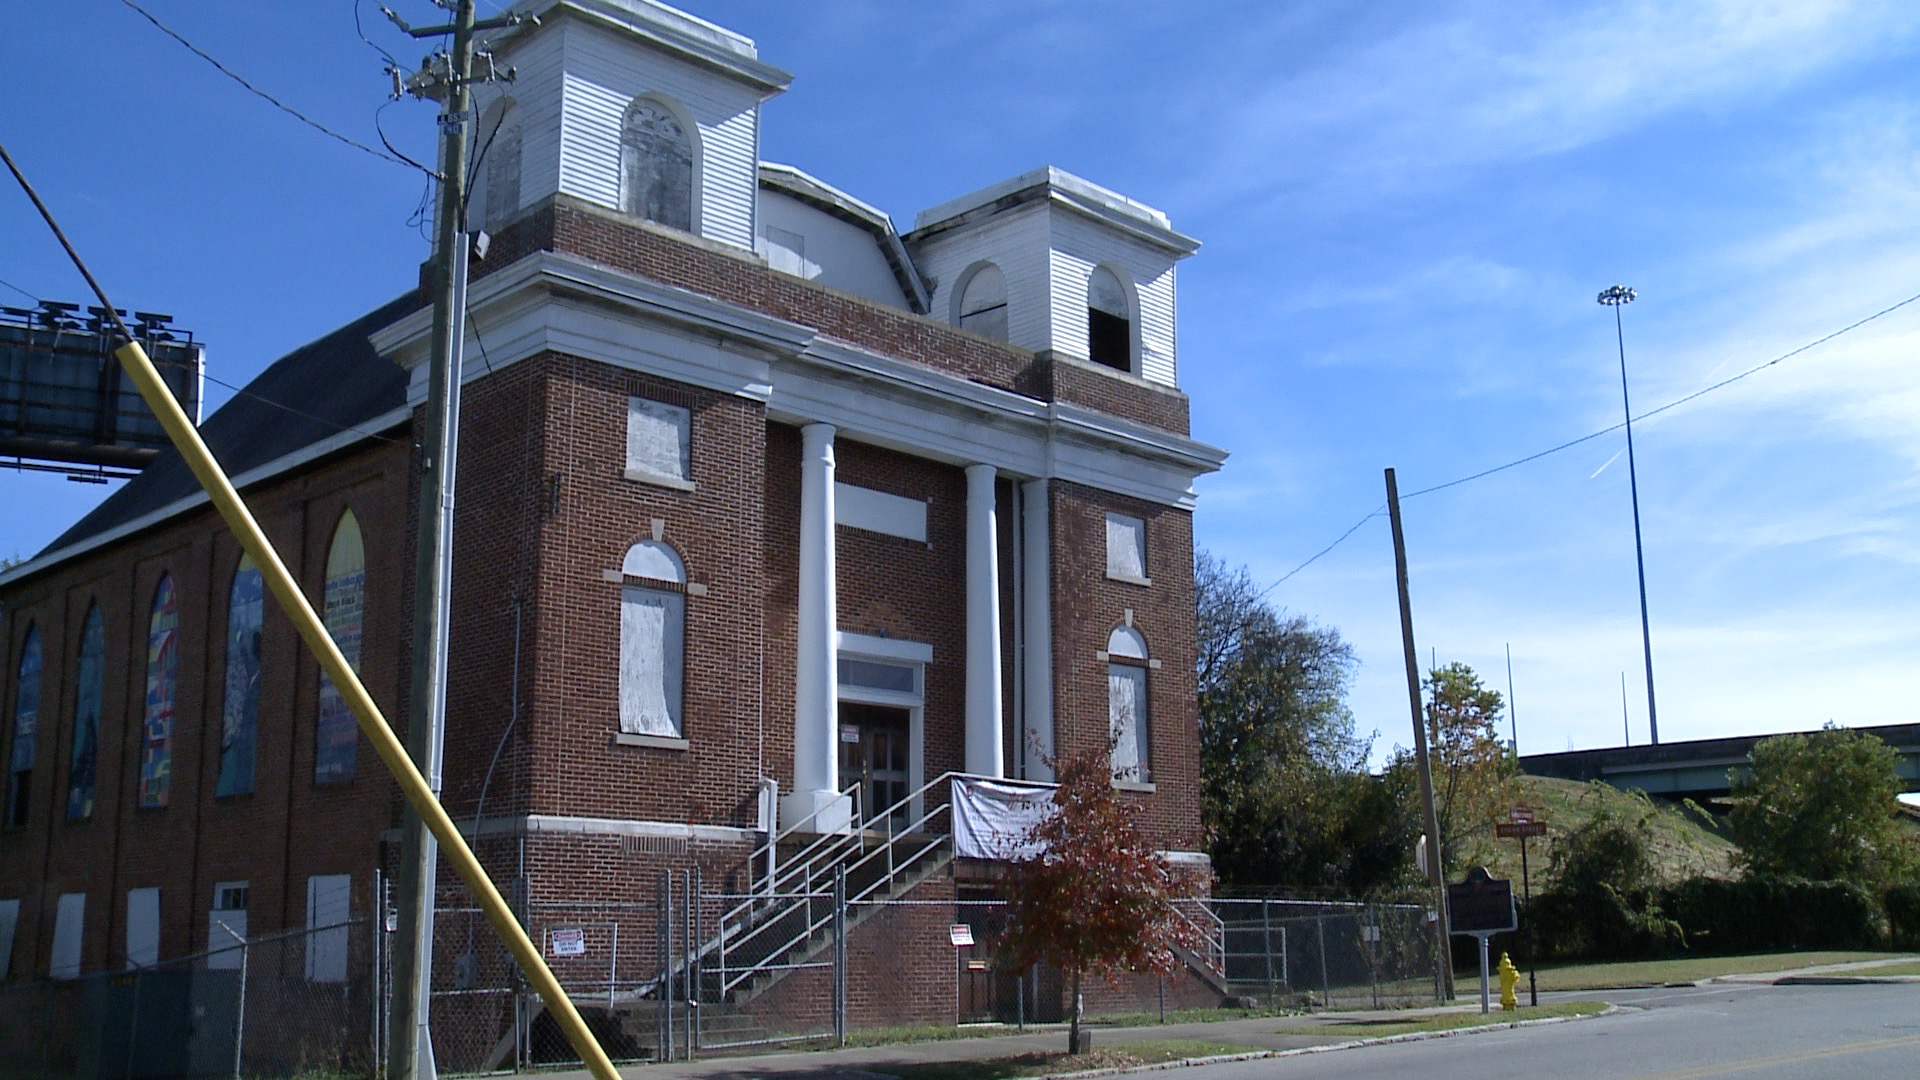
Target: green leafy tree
[
  {"x": 1821, "y": 806},
  {"x": 1285, "y": 793},
  {"x": 1095, "y": 898},
  {"x": 1472, "y": 772}
]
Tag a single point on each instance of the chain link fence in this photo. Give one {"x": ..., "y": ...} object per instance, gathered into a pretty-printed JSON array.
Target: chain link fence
[
  {"x": 276, "y": 1005},
  {"x": 1320, "y": 954}
]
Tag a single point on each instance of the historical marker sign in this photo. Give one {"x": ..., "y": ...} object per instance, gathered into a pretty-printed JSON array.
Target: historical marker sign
[
  {"x": 1481, "y": 904},
  {"x": 1514, "y": 830}
]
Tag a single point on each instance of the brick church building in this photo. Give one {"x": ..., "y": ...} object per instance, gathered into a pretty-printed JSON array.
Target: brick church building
[{"x": 771, "y": 519}]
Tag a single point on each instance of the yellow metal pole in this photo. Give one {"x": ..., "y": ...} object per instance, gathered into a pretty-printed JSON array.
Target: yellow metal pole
[{"x": 186, "y": 438}]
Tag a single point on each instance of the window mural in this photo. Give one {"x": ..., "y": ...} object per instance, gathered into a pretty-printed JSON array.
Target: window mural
[
  {"x": 26, "y": 725},
  {"x": 86, "y": 717},
  {"x": 343, "y": 608},
  {"x": 156, "y": 730},
  {"x": 240, "y": 706}
]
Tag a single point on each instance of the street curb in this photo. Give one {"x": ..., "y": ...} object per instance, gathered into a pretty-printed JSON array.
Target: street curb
[
  {"x": 1259, "y": 1055},
  {"x": 1845, "y": 980}
]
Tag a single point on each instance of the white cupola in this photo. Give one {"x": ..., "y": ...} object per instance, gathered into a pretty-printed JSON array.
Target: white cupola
[
  {"x": 1048, "y": 261},
  {"x": 629, "y": 104}
]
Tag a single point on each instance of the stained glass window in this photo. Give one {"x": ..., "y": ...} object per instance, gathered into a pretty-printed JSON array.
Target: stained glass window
[
  {"x": 240, "y": 705},
  {"x": 156, "y": 728},
  {"x": 26, "y": 726},
  {"x": 343, "y": 609},
  {"x": 86, "y": 717}
]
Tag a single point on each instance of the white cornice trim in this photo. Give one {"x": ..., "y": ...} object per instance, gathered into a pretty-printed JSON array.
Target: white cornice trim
[{"x": 286, "y": 462}]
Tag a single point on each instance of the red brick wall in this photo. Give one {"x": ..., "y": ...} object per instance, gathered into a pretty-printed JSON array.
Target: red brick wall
[
  {"x": 717, "y": 529},
  {"x": 198, "y": 839},
  {"x": 1087, "y": 606}
]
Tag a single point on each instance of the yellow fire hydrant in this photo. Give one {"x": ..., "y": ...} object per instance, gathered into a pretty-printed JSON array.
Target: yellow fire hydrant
[{"x": 1509, "y": 978}]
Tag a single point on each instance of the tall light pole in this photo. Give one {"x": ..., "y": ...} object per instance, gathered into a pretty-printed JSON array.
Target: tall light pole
[{"x": 1616, "y": 297}]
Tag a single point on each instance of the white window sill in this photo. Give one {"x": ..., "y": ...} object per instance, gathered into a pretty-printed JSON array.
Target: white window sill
[
  {"x": 648, "y": 476},
  {"x": 657, "y": 742},
  {"x": 1129, "y": 579},
  {"x": 1136, "y": 786}
]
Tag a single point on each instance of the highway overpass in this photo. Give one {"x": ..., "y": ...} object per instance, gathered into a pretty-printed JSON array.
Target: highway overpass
[{"x": 1695, "y": 769}]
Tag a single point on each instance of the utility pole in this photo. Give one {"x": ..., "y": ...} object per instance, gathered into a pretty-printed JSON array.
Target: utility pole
[
  {"x": 1436, "y": 874},
  {"x": 447, "y": 77}
]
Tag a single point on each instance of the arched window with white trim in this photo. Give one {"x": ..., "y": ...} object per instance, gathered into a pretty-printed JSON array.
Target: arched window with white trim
[
  {"x": 656, "y": 165},
  {"x": 1127, "y": 723},
  {"x": 982, "y": 307},
  {"x": 653, "y": 620},
  {"x": 1109, "y": 321}
]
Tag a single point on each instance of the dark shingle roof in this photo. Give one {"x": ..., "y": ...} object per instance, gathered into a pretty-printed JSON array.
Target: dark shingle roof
[{"x": 336, "y": 383}]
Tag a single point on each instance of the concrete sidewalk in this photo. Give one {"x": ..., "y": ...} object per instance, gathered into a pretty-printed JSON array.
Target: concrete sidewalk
[
  {"x": 862, "y": 1063},
  {"x": 1858, "y": 971}
]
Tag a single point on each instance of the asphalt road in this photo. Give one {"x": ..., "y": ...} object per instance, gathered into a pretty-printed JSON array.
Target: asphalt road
[{"x": 1695, "y": 1033}]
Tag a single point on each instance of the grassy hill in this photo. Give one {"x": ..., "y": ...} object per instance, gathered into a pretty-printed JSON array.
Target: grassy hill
[{"x": 1686, "y": 842}]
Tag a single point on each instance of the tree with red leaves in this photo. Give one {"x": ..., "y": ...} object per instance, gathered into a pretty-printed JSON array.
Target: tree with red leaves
[{"x": 1094, "y": 896}]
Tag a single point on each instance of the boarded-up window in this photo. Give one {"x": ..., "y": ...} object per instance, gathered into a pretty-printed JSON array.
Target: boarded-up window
[
  {"x": 659, "y": 441},
  {"x": 163, "y": 662},
  {"x": 502, "y": 168},
  {"x": 786, "y": 251},
  {"x": 226, "y": 925},
  {"x": 83, "y": 766},
  {"x": 69, "y": 927},
  {"x": 983, "y": 303},
  {"x": 1109, "y": 321},
  {"x": 656, "y": 166},
  {"x": 240, "y": 707},
  {"x": 1126, "y": 547},
  {"x": 9, "y": 922},
  {"x": 1127, "y": 719},
  {"x": 143, "y": 927},
  {"x": 652, "y": 649},
  {"x": 329, "y": 899},
  {"x": 344, "y": 603},
  {"x": 26, "y": 727}
]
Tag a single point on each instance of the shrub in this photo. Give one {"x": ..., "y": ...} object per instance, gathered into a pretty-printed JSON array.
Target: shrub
[{"x": 1769, "y": 914}]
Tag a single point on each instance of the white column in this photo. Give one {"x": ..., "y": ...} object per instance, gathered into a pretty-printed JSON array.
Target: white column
[
  {"x": 816, "y": 754},
  {"x": 1037, "y": 630},
  {"x": 985, "y": 753}
]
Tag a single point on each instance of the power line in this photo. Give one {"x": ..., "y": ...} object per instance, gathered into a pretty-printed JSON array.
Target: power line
[
  {"x": 396, "y": 158},
  {"x": 1569, "y": 444},
  {"x": 112, "y": 314},
  {"x": 18, "y": 289}
]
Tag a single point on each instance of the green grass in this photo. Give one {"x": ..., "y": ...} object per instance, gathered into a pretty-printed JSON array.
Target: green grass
[
  {"x": 943, "y": 1033},
  {"x": 1449, "y": 1021},
  {"x": 1119, "y": 1055},
  {"x": 1686, "y": 842},
  {"x": 1691, "y": 969},
  {"x": 1187, "y": 1016}
]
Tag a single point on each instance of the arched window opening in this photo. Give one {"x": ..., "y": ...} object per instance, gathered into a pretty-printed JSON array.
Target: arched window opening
[
  {"x": 500, "y": 166},
  {"x": 656, "y": 165},
  {"x": 83, "y": 765},
  {"x": 1109, "y": 321},
  {"x": 156, "y": 726},
  {"x": 26, "y": 726},
  {"x": 240, "y": 705},
  {"x": 343, "y": 609},
  {"x": 1127, "y": 704},
  {"x": 653, "y": 624},
  {"x": 983, "y": 303}
]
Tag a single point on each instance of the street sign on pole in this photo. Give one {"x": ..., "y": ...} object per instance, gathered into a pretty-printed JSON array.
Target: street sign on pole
[{"x": 1515, "y": 830}]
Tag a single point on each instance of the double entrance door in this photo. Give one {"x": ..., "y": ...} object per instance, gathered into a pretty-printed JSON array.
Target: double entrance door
[{"x": 874, "y": 750}]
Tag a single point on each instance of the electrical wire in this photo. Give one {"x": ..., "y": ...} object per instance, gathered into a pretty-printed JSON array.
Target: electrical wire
[
  {"x": 395, "y": 157},
  {"x": 432, "y": 174},
  {"x": 18, "y": 289},
  {"x": 1569, "y": 444},
  {"x": 113, "y": 313},
  {"x": 375, "y": 46}
]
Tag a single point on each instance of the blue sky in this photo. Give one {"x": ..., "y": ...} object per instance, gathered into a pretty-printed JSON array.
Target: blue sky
[{"x": 1407, "y": 211}]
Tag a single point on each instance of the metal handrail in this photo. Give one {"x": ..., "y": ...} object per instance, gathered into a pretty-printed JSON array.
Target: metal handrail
[{"x": 1215, "y": 955}]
